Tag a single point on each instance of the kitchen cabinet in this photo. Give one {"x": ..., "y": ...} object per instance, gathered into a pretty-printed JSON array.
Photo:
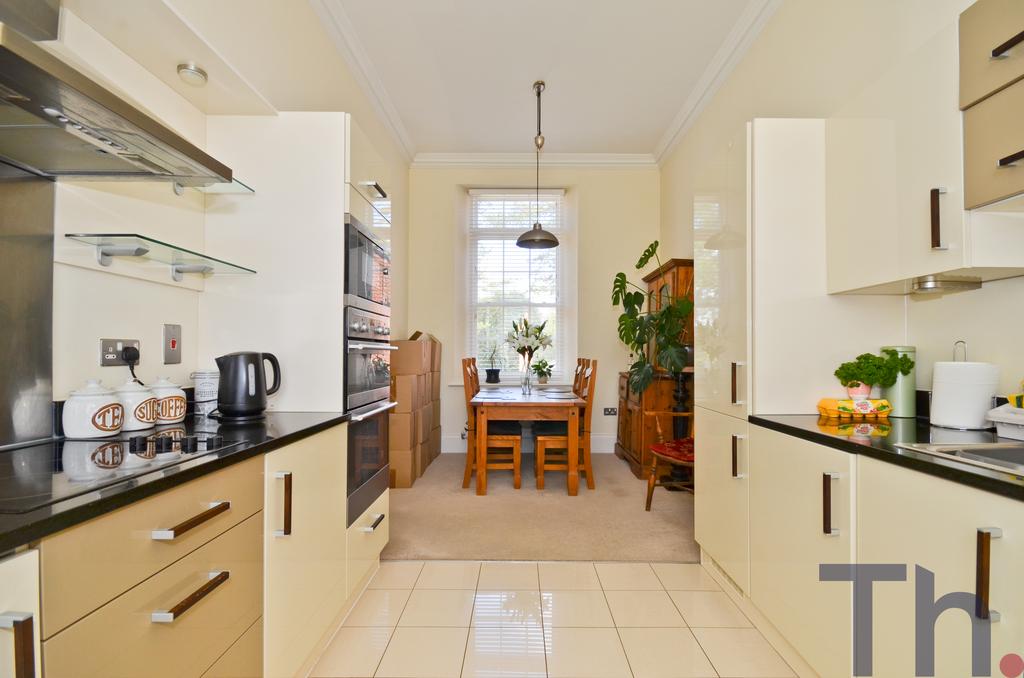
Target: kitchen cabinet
[
  {"x": 994, "y": 147},
  {"x": 305, "y": 545},
  {"x": 20, "y": 654},
  {"x": 244, "y": 659},
  {"x": 369, "y": 183},
  {"x": 721, "y": 500},
  {"x": 801, "y": 515},
  {"x": 918, "y": 520},
  {"x": 367, "y": 537},
  {"x": 989, "y": 58}
]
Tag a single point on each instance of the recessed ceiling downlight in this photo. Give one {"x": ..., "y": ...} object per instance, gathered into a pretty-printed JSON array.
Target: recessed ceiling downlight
[{"x": 191, "y": 74}]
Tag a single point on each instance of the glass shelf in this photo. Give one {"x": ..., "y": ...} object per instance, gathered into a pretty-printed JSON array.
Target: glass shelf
[
  {"x": 236, "y": 187},
  {"x": 179, "y": 259}
]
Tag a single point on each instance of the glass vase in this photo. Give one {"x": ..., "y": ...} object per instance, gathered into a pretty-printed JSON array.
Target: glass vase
[{"x": 527, "y": 383}]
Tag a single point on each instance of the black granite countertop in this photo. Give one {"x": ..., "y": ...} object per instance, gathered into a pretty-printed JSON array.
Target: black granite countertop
[
  {"x": 53, "y": 469},
  {"x": 881, "y": 441}
]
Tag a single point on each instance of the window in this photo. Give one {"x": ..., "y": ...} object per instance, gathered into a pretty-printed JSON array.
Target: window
[{"x": 506, "y": 282}]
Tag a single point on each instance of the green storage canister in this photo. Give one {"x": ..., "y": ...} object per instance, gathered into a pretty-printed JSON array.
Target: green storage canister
[{"x": 903, "y": 394}]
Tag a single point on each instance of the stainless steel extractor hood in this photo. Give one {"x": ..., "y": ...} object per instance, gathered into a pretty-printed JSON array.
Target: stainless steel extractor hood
[{"x": 56, "y": 122}]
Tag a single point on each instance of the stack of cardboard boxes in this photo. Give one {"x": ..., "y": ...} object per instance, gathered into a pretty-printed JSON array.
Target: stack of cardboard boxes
[{"x": 415, "y": 423}]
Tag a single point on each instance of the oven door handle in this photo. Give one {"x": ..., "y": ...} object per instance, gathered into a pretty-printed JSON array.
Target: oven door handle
[
  {"x": 371, "y": 347},
  {"x": 373, "y": 412}
]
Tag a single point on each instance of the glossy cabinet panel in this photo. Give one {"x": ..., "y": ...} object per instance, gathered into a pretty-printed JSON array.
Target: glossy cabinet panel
[
  {"x": 19, "y": 596},
  {"x": 366, "y": 538},
  {"x": 987, "y": 26},
  {"x": 244, "y": 659},
  {"x": 994, "y": 147}
]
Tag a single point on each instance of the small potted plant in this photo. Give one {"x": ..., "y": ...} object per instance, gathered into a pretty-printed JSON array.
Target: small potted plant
[
  {"x": 542, "y": 368},
  {"x": 858, "y": 376},
  {"x": 493, "y": 372}
]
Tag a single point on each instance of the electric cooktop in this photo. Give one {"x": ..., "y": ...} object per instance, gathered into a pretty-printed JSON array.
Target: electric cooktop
[{"x": 35, "y": 477}]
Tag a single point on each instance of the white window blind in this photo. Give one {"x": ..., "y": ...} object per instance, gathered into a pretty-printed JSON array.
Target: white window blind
[{"x": 507, "y": 282}]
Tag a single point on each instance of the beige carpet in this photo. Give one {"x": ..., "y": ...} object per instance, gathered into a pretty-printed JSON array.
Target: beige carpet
[{"x": 437, "y": 519}]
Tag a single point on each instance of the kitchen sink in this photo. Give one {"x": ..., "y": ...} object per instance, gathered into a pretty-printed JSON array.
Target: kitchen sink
[{"x": 995, "y": 456}]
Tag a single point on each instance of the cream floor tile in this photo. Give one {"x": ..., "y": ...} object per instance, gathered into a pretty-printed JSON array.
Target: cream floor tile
[
  {"x": 449, "y": 575},
  {"x": 643, "y": 608},
  {"x": 708, "y": 609},
  {"x": 685, "y": 577},
  {"x": 505, "y": 651},
  {"x": 575, "y": 608},
  {"x": 424, "y": 653},
  {"x": 665, "y": 653},
  {"x": 509, "y": 576},
  {"x": 438, "y": 607},
  {"x": 628, "y": 577},
  {"x": 354, "y": 653},
  {"x": 741, "y": 653},
  {"x": 585, "y": 653},
  {"x": 507, "y": 608},
  {"x": 396, "y": 574},
  {"x": 568, "y": 576},
  {"x": 378, "y": 607}
]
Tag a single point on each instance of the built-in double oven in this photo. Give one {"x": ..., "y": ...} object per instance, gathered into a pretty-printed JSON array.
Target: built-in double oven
[{"x": 367, "y": 365}]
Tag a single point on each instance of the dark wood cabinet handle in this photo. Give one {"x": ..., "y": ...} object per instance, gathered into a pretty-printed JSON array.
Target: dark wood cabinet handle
[
  {"x": 736, "y": 456},
  {"x": 375, "y": 525},
  {"x": 168, "y": 616},
  {"x": 287, "y": 528},
  {"x": 170, "y": 534},
  {"x": 826, "y": 504},
  {"x": 1000, "y": 52},
  {"x": 983, "y": 573},
  {"x": 24, "y": 642},
  {"x": 375, "y": 185},
  {"x": 937, "y": 219},
  {"x": 1011, "y": 160},
  {"x": 734, "y": 398}
]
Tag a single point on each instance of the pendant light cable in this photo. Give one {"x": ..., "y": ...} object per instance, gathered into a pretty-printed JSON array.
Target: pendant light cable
[{"x": 537, "y": 237}]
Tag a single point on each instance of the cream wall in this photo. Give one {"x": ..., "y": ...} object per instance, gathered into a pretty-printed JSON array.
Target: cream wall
[{"x": 616, "y": 216}]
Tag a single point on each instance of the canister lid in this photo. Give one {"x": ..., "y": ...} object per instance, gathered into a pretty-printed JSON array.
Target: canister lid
[{"x": 93, "y": 387}]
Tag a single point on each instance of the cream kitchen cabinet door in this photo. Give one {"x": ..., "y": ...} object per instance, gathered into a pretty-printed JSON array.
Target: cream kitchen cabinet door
[
  {"x": 802, "y": 515},
  {"x": 19, "y": 615},
  {"x": 721, "y": 518},
  {"x": 908, "y": 518},
  {"x": 722, "y": 287},
  {"x": 304, "y": 546}
]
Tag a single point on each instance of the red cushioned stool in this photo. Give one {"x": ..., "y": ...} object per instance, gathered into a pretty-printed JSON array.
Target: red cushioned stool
[{"x": 677, "y": 454}]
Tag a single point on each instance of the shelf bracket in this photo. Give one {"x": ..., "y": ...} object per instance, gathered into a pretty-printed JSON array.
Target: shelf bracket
[
  {"x": 105, "y": 253},
  {"x": 178, "y": 270}
]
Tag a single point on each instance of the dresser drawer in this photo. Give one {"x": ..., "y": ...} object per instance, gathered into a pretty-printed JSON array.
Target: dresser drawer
[
  {"x": 365, "y": 541},
  {"x": 244, "y": 659},
  {"x": 986, "y": 26},
  {"x": 121, "y": 640},
  {"x": 994, "y": 131},
  {"x": 90, "y": 564}
]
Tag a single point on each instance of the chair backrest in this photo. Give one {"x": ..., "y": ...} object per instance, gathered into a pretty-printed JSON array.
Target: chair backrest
[
  {"x": 577, "y": 380},
  {"x": 587, "y": 390},
  {"x": 470, "y": 386}
]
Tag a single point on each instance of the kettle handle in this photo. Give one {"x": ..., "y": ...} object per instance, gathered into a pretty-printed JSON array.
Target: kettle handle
[{"x": 277, "y": 372}]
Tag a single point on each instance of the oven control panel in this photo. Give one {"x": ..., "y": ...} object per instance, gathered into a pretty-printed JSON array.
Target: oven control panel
[{"x": 360, "y": 324}]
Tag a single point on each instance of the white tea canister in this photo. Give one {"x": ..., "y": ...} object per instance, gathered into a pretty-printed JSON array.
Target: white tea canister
[
  {"x": 140, "y": 406},
  {"x": 170, "y": 401},
  {"x": 92, "y": 411},
  {"x": 206, "y": 384}
]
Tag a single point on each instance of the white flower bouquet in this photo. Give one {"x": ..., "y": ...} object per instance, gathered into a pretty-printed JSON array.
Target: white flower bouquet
[{"x": 526, "y": 339}]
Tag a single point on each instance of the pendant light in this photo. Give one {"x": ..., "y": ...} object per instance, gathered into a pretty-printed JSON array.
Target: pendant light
[{"x": 537, "y": 238}]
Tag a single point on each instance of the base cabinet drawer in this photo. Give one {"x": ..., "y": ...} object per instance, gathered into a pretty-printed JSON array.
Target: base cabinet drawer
[
  {"x": 366, "y": 538},
  {"x": 88, "y": 565},
  {"x": 994, "y": 148},
  {"x": 244, "y": 659},
  {"x": 134, "y": 635}
]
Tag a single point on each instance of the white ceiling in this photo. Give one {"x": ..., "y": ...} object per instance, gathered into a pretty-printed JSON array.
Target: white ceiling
[{"x": 457, "y": 74}]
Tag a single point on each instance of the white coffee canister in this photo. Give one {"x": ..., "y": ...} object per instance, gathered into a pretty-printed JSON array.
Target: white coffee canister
[
  {"x": 171, "y": 403},
  {"x": 206, "y": 384},
  {"x": 140, "y": 406},
  {"x": 92, "y": 411},
  {"x": 962, "y": 394}
]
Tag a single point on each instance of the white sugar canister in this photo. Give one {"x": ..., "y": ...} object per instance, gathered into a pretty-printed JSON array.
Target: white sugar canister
[
  {"x": 962, "y": 394},
  {"x": 206, "y": 384}
]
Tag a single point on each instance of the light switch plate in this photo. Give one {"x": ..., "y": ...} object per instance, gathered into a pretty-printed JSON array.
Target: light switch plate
[
  {"x": 110, "y": 351},
  {"x": 172, "y": 344}
]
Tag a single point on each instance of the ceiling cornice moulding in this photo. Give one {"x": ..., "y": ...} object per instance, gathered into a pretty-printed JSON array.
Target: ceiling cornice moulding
[
  {"x": 346, "y": 39},
  {"x": 500, "y": 160},
  {"x": 749, "y": 25}
]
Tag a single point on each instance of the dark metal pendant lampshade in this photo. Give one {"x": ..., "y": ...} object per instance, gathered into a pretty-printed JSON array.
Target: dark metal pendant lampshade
[{"x": 537, "y": 238}]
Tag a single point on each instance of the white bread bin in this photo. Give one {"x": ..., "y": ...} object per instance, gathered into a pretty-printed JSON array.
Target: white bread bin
[{"x": 962, "y": 394}]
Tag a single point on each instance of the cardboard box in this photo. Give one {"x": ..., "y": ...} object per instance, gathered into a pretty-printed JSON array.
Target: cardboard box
[
  {"x": 434, "y": 349},
  {"x": 435, "y": 411},
  {"x": 435, "y": 443},
  {"x": 402, "y": 431},
  {"x": 435, "y": 386},
  {"x": 424, "y": 382},
  {"x": 425, "y": 422},
  {"x": 405, "y": 390},
  {"x": 403, "y": 468},
  {"x": 412, "y": 357},
  {"x": 422, "y": 459}
]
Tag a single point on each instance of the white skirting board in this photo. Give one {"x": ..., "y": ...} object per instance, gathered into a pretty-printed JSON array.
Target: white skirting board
[{"x": 600, "y": 443}]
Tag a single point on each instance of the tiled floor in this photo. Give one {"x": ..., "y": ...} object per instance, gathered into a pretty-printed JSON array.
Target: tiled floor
[{"x": 437, "y": 619}]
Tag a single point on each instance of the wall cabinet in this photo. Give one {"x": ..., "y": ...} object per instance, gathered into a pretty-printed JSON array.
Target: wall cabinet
[
  {"x": 369, "y": 183},
  {"x": 20, "y": 629},
  {"x": 801, "y": 515},
  {"x": 994, "y": 147},
  {"x": 989, "y": 60},
  {"x": 721, "y": 502},
  {"x": 913, "y": 519},
  {"x": 305, "y": 544}
]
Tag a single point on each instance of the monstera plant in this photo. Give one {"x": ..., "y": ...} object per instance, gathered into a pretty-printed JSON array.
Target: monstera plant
[{"x": 655, "y": 337}]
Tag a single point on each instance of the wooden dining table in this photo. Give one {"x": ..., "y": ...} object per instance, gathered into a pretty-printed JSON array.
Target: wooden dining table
[{"x": 512, "y": 404}]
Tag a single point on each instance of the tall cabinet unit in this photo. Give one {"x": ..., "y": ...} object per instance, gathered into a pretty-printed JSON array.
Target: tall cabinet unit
[{"x": 20, "y": 630}]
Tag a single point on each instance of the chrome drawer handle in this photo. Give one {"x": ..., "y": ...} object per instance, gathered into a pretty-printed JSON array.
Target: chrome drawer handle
[
  {"x": 168, "y": 616},
  {"x": 376, "y": 524},
  {"x": 170, "y": 534},
  {"x": 24, "y": 643}
]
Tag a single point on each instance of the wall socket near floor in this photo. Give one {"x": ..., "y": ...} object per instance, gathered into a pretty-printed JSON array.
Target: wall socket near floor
[
  {"x": 110, "y": 351},
  {"x": 611, "y": 411},
  {"x": 172, "y": 344}
]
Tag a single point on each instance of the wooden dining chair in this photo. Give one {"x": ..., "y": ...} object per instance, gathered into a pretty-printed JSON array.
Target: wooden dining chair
[
  {"x": 577, "y": 380},
  {"x": 668, "y": 455},
  {"x": 552, "y": 439},
  {"x": 504, "y": 437}
]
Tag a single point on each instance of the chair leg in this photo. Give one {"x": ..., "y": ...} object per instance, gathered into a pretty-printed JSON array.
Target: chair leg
[
  {"x": 652, "y": 481},
  {"x": 588, "y": 469},
  {"x": 470, "y": 456},
  {"x": 539, "y": 464},
  {"x": 517, "y": 463}
]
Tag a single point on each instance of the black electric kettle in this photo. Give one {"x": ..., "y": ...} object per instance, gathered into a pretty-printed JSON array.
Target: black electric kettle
[{"x": 243, "y": 383}]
